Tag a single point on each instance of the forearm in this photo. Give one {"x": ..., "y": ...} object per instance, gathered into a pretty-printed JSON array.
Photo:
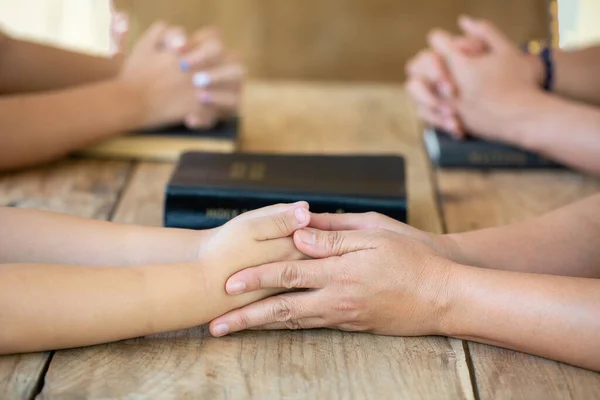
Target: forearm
[
  {"x": 577, "y": 74},
  {"x": 29, "y": 67},
  {"x": 28, "y": 236},
  {"x": 559, "y": 129},
  {"x": 563, "y": 242},
  {"x": 40, "y": 127},
  {"x": 50, "y": 307},
  {"x": 549, "y": 316}
]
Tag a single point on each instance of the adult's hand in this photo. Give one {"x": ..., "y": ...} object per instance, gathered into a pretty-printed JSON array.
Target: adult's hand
[
  {"x": 441, "y": 244},
  {"x": 433, "y": 88},
  {"x": 494, "y": 87},
  {"x": 374, "y": 281}
]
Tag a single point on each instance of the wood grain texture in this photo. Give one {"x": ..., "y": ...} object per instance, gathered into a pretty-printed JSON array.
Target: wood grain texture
[
  {"x": 20, "y": 375},
  {"x": 77, "y": 187},
  {"x": 365, "y": 40},
  {"x": 288, "y": 118},
  {"x": 474, "y": 200}
]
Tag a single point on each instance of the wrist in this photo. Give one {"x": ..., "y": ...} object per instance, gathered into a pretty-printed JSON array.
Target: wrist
[
  {"x": 529, "y": 122},
  {"x": 446, "y": 245},
  {"x": 456, "y": 295},
  {"x": 132, "y": 101}
]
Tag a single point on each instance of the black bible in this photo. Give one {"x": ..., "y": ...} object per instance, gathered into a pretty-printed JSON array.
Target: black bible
[
  {"x": 208, "y": 189},
  {"x": 447, "y": 152}
]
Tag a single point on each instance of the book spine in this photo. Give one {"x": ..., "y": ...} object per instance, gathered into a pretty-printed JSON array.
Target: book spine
[
  {"x": 481, "y": 155},
  {"x": 198, "y": 211}
]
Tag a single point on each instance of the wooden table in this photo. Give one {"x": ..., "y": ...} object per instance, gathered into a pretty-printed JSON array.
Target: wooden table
[{"x": 287, "y": 117}]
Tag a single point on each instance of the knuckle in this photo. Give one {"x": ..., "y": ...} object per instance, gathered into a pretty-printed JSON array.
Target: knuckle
[
  {"x": 291, "y": 276},
  {"x": 293, "y": 325},
  {"x": 347, "y": 305},
  {"x": 334, "y": 241},
  {"x": 282, "y": 224},
  {"x": 242, "y": 322},
  {"x": 346, "y": 277},
  {"x": 283, "y": 311}
]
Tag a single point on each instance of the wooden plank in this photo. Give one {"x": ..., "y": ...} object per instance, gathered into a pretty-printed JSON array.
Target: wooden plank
[
  {"x": 474, "y": 200},
  {"x": 334, "y": 40},
  {"x": 20, "y": 375},
  {"x": 78, "y": 187},
  {"x": 313, "y": 364}
]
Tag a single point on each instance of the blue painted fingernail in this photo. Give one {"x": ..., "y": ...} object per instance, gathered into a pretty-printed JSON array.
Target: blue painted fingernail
[
  {"x": 236, "y": 287},
  {"x": 184, "y": 65},
  {"x": 201, "y": 79},
  {"x": 221, "y": 330}
]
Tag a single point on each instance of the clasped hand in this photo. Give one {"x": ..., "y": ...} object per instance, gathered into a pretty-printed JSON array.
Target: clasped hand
[
  {"x": 367, "y": 273},
  {"x": 192, "y": 80},
  {"x": 478, "y": 83}
]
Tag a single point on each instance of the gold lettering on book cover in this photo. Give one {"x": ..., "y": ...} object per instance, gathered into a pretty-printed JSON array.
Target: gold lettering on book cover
[
  {"x": 237, "y": 171},
  {"x": 241, "y": 171},
  {"x": 497, "y": 158},
  {"x": 224, "y": 213}
]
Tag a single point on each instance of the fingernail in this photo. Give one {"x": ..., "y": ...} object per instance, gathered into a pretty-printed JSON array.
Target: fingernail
[
  {"x": 467, "y": 19},
  {"x": 307, "y": 236},
  {"x": 300, "y": 215},
  {"x": 122, "y": 26},
  {"x": 236, "y": 287},
  {"x": 177, "y": 42},
  {"x": 205, "y": 98},
  {"x": 201, "y": 79},
  {"x": 221, "y": 330},
  {"x": 184, "y": 65}
]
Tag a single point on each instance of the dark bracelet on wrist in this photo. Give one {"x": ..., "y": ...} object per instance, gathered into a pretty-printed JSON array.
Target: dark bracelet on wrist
[
  {"x": 546, "y": 57},
  {"x": 545, "y": 54}
]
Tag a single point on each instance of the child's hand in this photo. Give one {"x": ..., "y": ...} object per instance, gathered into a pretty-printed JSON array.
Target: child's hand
[
  {"x": 193, "y": 81},
  {"x": 154, "y": 75},
  {"x": 256, "y": 236}
]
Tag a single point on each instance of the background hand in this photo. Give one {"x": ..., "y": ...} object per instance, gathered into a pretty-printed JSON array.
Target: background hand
[
  {"x": 375, "y": 280},
  {"x": 491, "y": 87},
  {"x": 193, "y": 81},
  {"x": 218, "y": 75},
  {"x": 432, "y": 86}
]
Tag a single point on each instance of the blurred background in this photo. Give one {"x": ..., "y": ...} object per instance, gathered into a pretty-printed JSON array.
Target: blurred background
[{"x": 353, "y": 40}]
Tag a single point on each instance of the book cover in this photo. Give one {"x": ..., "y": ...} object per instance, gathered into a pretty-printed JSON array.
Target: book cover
[
  {"x": 447, "y": 152},
  {"x": 168, "y": 143},
  {"x": 207, "y": 190}
]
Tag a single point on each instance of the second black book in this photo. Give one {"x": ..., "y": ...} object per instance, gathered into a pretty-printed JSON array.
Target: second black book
[
  {"x": 447, "y": 152},
  {"x": 209, "y": 189}
]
